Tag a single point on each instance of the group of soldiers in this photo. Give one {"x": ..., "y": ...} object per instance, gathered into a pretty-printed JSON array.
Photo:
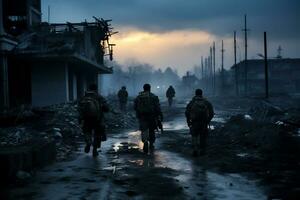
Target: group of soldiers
[
  {"x": 199, "y": 112},
  {"x": 123, "y": 97}
]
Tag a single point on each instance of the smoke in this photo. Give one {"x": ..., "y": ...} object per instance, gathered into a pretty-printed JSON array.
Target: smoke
[{"x": 135, "y": 75}]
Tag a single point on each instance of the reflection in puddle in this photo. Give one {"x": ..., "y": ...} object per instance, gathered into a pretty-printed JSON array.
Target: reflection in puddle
[
  {"x": 218, "y": 119},
  {"x": 133, "y": 142},
  {"x": 221, "y": 186},
  {"x": 172, "y": 161},
  {"x": 134, "y": 133},
  {"x": 248, "y": 117},
  {"x": 242, "y": 155},
  {"x": 175, "y": 125},
  {"x": 111, "y": 168},
  {"x": 180, "y": 124},
  {"x": 119, "y": 146},
  {"x": 139, "y": 162},
  {"x": 116, "y": 146},
  {"x": 191, "y": 173}
]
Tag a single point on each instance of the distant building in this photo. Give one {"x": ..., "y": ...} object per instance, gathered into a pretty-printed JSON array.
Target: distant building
[
  {"x": 43, "y": 64},
  {"x": 284, "y": 76},
  {"x": 189, "y": 83}
]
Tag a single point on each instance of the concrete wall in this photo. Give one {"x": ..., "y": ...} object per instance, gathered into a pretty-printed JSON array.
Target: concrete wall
[
  {"x": 74, "y": 87},
  {"x": 49, "y": 84},
  {"x": 4, "y": 95}
]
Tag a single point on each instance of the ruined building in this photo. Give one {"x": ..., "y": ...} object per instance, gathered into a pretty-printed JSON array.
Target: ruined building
[
  {"x": 43, "y": 64},
  {"x": 284, "y": 76}
]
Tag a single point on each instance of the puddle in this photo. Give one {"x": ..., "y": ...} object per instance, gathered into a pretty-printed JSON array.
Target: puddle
[
  {"x": 248, "y": 117},
  {"x": 242, "y": 155},
  {"x": 190, "y": 175},
  {"x": 131, "y": 142},
  {"x": 176, "y": 125},
  {"x": 139, "y": 162},
  {"x": 180, "y": 123},
  {"x": 218, "y": 120},
  {"x": 233, "y": 186},
  {"x": 216, "y": 186},
  {"x": 116, "y": 146},
  {"x": 124, "y": 146}
]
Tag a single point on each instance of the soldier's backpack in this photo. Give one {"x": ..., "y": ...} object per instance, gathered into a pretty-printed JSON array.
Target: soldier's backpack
[
  {"x": 89, "y": 107},
  {"x": 170, "y": 93},
  {"x": 145, "y": 104},
  {"x": 199, "y": 111}
]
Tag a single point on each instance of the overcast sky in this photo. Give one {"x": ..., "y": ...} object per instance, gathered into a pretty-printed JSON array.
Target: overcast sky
[{"x": 177, "y": 33}]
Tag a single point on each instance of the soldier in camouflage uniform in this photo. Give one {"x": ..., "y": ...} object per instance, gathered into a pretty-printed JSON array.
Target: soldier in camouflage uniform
[
  {"x": 91, "y": 108},
  {"x": 123, "y": 97},
  {"x": 199, "y": 112},
  {"x": 170, "y": 94},
  {"x": 148, "y": 110}
]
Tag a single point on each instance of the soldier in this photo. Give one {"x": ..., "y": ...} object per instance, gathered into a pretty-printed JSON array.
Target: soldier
[
  {"x": 199, "y": 113},
  {"x": 123, "y": 97},
  {"x": 91, "y": 108},
  {"x": 148, "y": 110},
  {"x": 170, "y": 94}
]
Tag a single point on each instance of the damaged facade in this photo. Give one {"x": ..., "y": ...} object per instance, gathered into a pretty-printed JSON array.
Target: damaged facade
[
  {"x": 44, "y": 64},
  {"x": 284, "y": 76}
]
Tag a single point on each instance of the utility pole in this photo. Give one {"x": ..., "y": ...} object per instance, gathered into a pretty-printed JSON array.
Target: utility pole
[
  {"x": 211, "y": 70},
  {"x": 48, "y": 14},
  {"x": 236, "y": 68},
  {"x": 214, "y": 65},
  {"x": 266, "y": 66},
  {"x": 222, "y": 68},
  {"x": 202, "y": 70},
  {"x": 246, "y": 57},
  {"x": 206, "y": 73}
]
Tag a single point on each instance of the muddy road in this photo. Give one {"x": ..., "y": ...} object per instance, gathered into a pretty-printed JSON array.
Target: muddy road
[{"x": 122, "y": 171}]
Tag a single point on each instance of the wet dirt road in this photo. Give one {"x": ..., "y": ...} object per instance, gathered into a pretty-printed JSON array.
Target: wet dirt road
[{"x": 122, "y": 171}]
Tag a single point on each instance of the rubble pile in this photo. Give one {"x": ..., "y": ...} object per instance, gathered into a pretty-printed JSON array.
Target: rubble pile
[
  {"x": 58, "y": 124},
  {"x": 117, "y": 119},
  {"x": 14, "y": 136},
  {"x": 282, "y": 114},
  {"x": 269, "y": 149},
  {"x": 247, "y": 133},
  {"x": 120, "y": 120},
  {"x": 265, "y": 111}
]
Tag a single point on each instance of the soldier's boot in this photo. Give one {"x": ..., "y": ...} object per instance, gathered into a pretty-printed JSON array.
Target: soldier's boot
[
  {"x": 195, "y": 145},
  {"x": 151, "y": 139},
  {"x": 87, "y": 148},
  {"x": 202, "y": 152},
  {"x": 97, "y": 141},
  {"x": 195, "y": 153},
  {"x": 145, "y": 147},
  {"x": 88, "y": 141},
  {"x": 151, "y": 146},
  {"x": 95, "y": 152},
  {"x": 202, "y": 145}
]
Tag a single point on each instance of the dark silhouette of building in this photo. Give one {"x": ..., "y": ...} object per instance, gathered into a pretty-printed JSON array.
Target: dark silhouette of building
[{"x": 284, "y": 76}]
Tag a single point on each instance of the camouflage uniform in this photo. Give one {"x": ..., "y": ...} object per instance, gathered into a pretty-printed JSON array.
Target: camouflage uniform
[
  {"x": 123, "y": 96},
  {"x": 199, "y": 129},
  {"x": 95, "y": 125},
  {"x": 170, "y": 94},
  {"x": 148, "y": 121}
]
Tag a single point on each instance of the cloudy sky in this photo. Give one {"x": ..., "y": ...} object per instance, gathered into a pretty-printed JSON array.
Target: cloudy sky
[{"x": 177, "y": 33}]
